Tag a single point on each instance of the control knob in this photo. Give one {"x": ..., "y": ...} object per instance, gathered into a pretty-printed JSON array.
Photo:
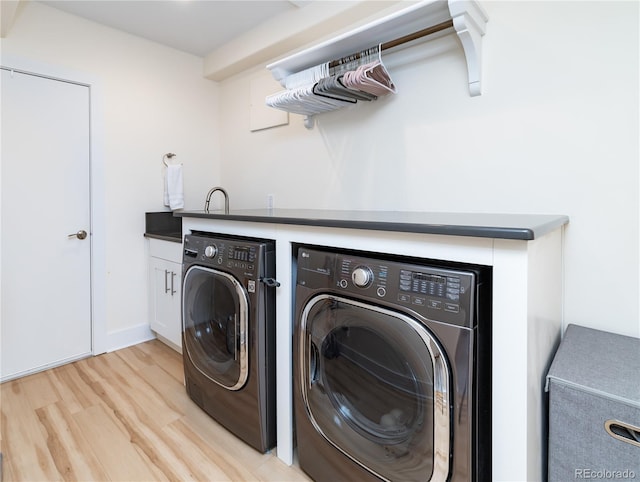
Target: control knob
[
  {"x": 362, "y": 276},
  {"x": 211, "y": 251}
]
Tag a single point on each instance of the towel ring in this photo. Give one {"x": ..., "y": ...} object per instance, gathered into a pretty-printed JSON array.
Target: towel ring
[{"x": 167, "y": 155}]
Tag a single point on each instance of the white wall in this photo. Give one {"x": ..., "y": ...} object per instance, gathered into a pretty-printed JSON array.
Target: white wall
[
  {"x": 555, "y": 131},
  {"x": 154, "y": 100}
]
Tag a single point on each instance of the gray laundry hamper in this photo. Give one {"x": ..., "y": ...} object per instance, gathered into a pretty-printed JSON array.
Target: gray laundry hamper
[{"x": 594, "y": 407}]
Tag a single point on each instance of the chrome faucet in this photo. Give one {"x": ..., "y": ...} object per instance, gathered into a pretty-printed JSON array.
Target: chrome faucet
[{"x": 226, "y": 199}]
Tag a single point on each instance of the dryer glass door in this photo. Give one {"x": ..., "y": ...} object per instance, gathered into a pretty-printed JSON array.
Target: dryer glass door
[
  {"x": 215, "y": 319},
  {"x": 376, "y": 386}
]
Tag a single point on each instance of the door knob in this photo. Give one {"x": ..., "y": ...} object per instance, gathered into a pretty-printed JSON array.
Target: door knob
[{"x": 80, "y": 234}]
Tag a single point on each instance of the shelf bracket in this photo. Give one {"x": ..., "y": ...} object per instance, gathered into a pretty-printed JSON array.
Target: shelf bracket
[
  {"x": 469, "y": 22},
  {"x": 309, "y": 121}
]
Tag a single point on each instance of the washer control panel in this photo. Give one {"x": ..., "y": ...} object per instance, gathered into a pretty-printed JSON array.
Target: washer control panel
[{"x": 437, "y": 293}]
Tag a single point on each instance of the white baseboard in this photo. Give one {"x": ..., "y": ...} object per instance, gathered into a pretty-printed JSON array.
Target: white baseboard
[
  {"x": 129, "y": 336},
  {"x": 169, "y": 343}
]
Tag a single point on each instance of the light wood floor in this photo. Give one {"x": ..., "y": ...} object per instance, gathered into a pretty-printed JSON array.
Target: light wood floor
[{"x": 121, "y": 416}]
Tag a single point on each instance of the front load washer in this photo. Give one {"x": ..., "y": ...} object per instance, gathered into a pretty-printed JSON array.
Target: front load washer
[
  {"x": 228, "y": 332},
  {"x": 392, "y": 368}
]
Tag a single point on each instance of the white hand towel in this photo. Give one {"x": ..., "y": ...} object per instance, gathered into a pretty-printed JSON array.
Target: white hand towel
[
  {"x": 165, "y": 191},
  {"x": 174, "y": 193}
]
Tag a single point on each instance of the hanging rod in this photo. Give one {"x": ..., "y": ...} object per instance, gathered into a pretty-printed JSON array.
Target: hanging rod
[{"x": 402, "y": 40}]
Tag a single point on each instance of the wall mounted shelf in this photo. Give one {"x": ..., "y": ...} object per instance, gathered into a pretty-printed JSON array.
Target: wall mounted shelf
[{"x": 466, "y": 18}]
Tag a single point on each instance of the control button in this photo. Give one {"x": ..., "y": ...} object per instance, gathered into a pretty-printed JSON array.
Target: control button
[
  {"x": 417, "y": 300},
  {"x": 451, "y": 307},
  {"x": 343, "y": 283},
  {"x": 362, "y": 276},
  {"x": 381, "y": 292},
  {"x": 211, "y": 251},
  {"x": 453, "y": 297},
  {"x": 404, "y": 298},
  {"x": 434, "y": 304}
]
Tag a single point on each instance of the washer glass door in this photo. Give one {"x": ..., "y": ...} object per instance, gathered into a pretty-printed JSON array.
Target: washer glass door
[
  {"x": 215, "y": 320},
  {"x": 376, "y": 385}
]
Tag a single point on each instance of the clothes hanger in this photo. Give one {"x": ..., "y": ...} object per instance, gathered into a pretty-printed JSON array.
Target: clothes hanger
[
  {"x": 372, "y": 76},
  {"x": 322, "y": 88},
  {"x": 302, "y": 100},
  {"x": 331, "y": 86},
  {"x": 377, "y": 74},
  {"x": 307, "y": 76},
  {"x": 300, "y": 96}
]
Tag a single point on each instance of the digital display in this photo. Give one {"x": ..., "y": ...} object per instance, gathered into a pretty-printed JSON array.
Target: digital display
[
  {"x": 432, "y": 278},
  {"x": 241, "y": 254}
]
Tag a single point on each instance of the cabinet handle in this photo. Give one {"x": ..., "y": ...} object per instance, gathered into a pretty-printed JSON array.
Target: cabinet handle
[
  {"x": 173, "y": 291},
  {"x": 166, "y": 284},
  {"x": 623, "y": 431}
]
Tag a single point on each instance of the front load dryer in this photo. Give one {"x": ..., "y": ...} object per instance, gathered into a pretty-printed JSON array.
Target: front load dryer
[
  {"x": 228, "y": 332},
  {"x": 391, "y": 364}
]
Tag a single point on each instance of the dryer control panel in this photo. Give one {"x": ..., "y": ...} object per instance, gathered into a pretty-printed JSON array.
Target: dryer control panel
[{"x": 230, "y": 255}]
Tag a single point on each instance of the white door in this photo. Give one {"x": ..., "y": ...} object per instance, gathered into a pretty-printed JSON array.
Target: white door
[{"x": 46, "y": 291}]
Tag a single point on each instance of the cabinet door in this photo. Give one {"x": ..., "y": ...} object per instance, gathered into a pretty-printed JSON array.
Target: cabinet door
[
  {"x": 164, "y": 309},
  {"x": 174, "y": 311}
]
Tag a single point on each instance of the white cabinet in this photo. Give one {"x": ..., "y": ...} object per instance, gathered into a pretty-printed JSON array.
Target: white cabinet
[{"x": 165, "y": 291}]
